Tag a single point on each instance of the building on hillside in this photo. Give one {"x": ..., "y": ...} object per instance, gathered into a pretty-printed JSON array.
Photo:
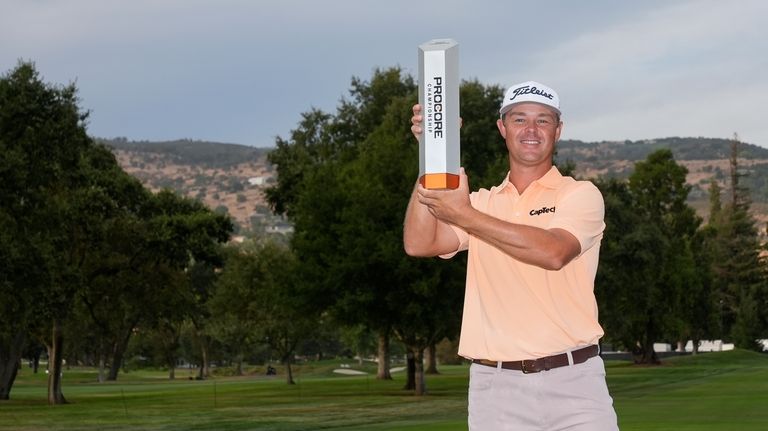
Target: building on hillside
[
  {"x": 257, "y": 181},
  {"x": 280, "y": 227}
]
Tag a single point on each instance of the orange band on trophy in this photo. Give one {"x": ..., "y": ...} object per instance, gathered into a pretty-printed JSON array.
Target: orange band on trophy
[{"x": 439, "y": 181}]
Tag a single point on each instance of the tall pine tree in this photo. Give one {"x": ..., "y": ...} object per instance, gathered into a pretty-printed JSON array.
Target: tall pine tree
[{"x": 739, "y": 274}]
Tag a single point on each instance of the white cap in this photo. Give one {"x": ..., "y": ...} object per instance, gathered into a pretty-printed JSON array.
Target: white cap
[{"x": 530, "y": 91}]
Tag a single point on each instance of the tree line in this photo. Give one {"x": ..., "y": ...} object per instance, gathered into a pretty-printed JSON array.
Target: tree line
[
  {"x": 87, "y": 252},
  {"x": 186, "y": 151},
  {"x": 95, "y": 265},
  {"x": 345, "y": 178}
]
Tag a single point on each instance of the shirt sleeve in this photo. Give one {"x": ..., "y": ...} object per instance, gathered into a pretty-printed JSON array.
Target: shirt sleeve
[
  {"x": 580, "y": 210},
  {"x": 461, "y": 233},
  {"x": 463, "y": 242}
]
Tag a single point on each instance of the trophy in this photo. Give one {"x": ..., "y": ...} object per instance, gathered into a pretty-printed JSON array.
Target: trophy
[{"x": 439, "y": 100}]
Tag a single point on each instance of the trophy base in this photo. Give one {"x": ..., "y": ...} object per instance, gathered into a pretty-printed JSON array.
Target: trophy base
[{"x": 439, "y": 181}]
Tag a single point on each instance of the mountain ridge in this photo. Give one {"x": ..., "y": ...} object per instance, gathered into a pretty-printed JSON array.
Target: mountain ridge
[{"x": 231, "y": 177}]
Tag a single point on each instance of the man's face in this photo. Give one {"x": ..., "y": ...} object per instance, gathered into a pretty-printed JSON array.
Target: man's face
[{"x": 530, "y": 131}]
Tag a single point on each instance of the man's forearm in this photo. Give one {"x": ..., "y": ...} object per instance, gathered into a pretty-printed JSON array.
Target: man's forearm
[
  {"x": 423, "y": 234},
  {"x": 546, "y": 248},
  {"x": 419, "y": 227}
]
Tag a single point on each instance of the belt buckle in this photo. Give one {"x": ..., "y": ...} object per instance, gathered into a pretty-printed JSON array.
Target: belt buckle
[{"x": 528, "y": 366}]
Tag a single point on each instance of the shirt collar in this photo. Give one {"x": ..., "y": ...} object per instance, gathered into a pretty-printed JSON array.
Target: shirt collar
[{"x": 550, "y": 180}]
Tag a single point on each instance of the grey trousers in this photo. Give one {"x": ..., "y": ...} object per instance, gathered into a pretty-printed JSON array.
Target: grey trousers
[{"x": 573, "y": 398}]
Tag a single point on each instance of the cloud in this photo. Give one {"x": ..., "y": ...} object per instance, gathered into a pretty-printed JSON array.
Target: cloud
[
  {"x": 242, "y": 71},
  {"x": 684, "y": 69}
]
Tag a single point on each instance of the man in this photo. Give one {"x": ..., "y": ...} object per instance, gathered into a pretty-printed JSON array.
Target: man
[{"x": 530, "y": 316}]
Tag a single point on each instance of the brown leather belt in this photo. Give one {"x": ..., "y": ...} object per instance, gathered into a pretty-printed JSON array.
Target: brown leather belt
[{"x": 546, "y": 363}]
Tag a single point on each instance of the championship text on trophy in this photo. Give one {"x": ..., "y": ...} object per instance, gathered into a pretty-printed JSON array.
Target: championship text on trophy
[{"x": 439, "y": 99}]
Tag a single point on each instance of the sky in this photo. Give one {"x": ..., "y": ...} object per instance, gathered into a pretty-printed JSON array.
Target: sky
[{"x": 242, "y": 72}]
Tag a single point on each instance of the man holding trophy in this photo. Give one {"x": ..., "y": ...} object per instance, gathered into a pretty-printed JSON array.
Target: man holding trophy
[{"x": 529, "y": 324}]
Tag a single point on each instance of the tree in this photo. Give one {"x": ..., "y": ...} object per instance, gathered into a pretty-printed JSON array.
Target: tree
[
  {"x": 19, "y": 258},
  {"x": 97, "y": 239},
  {"x": 659, "y": 188},
  {"x": 629, "y": 265},
  {"x": 700, "y": 303},
  {"x": 366, "y": 181},
  {"x": 44, "y": 190},
  {"x": 418, "y": 298},
  {"x": 189, "y": 238},
  {"x": 140, "y": 267},
  {"x": 229, "y": 307},
  {"x": 308, "y": 146},
  {"x": 164, "y": 342},
  {"x": 740, "y": 285},
  {"x": 322, "y": 150},
  {"x": 259, "y": 286},
  {"x": 648, "y": 269}
]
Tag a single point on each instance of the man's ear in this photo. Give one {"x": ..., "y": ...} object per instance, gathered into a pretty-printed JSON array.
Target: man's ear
[{"x": 502, "y": 128}]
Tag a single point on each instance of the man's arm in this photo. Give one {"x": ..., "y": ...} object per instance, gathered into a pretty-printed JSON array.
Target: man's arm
[
  {"x": 550, "y": 249},
  {"x": 423, "y": 234},
  {"x": 546, "y": 248}
]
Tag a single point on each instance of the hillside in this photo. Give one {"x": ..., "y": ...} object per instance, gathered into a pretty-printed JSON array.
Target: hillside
[
  {"x": 705, "y": 159},
  {"x": 228, "y": 178},
  {"x": 231, "y": 178},
  {"x": 189, "y": 152}
]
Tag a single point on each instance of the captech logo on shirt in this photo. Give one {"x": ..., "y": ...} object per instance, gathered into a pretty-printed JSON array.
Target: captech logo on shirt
[
  {"x": 530, "y": 90},
  {"x": 543, "y": 210}
]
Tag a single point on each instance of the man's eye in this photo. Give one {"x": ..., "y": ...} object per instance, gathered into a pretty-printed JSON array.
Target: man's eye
[
  {"x": 519, "y": 120},
  {"x": 543, "y": 121}
]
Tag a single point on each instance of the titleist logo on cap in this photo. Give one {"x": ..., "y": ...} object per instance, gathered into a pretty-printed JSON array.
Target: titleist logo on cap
[{"x": 530, "y": 90}]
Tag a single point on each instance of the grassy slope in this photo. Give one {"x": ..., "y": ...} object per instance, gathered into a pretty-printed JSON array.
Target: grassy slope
[{"x": 723, "y": 391}]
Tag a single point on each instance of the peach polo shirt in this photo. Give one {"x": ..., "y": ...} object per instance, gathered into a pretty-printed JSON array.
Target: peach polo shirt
[{"x": 513, "y": 310}]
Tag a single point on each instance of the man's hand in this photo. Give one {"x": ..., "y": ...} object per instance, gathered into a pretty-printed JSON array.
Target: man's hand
[
  {"x": 416, "y": 121},
  {"x": 426, "y": 231},
  {"x": 449, "y": 206}
]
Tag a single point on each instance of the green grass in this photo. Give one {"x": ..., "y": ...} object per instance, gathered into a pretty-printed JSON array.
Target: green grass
[{"x": 716, "y": 391}]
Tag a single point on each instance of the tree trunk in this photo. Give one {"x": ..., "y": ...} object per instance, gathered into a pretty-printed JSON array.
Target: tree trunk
[
  {"x": 695, "y": 349},
  {"x": 170, "y": 343},
  {"x": 430, "y": 357},
  {"x": 410, "y": 383},
  {"x": 206, "y": 370},
  {"x": 118, "y": 352},
  {"x": 10, "y": 354},
  {"x": 170, "y": 360},
  {"x": 55, "y": 396},
  {"x": 205, "y": 366},
  {"x": 288, "y": 370},
  {"x": 649, "y": 356},
  {"x": 102, "y": 367},
  {"x": 421, "y": 386},
  {"x": 239, "y": 365},
  {"x": 383, "y": 372},
  {"x": 36, "y": 361}
]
